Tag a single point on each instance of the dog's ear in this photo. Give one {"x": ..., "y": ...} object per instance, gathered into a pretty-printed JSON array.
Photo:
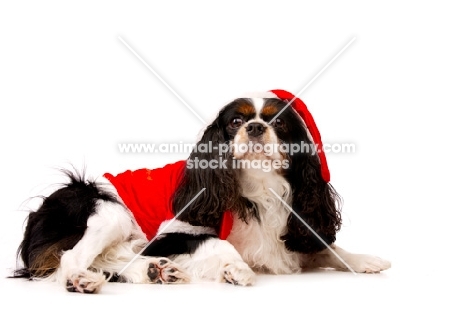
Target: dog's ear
[
  {"x": 209, "y": 167},
  {"x": 314, "y": 200}
]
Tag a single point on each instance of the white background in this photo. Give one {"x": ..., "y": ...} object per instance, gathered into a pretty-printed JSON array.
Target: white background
[{"x": 70, "y": 91}]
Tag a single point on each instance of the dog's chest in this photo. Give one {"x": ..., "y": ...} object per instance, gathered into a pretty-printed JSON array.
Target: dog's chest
[{"x": 259, "y": 241}]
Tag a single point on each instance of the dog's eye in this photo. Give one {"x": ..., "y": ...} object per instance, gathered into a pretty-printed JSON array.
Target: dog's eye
[
  {"x": 236, "y": 122},
  {"x": 278, "y": 122}
]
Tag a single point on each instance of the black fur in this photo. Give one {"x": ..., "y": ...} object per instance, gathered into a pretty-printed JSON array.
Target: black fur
[
  {"x": 58, "y": 225},
  {"x": 176, "y": 244},
  {"x": 222, "y": 192},
  {"x": 314, "y": 200}
]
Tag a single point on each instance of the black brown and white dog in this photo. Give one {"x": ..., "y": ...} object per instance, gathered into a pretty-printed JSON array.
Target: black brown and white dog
[{"x": 227, "y": 211}]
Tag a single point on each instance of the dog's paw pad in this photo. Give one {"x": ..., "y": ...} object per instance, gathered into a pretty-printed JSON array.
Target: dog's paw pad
[
  {"x": 164, "y": 271},
  {"x": 238, "y": 273},
  {"x": 86, "y": 282}
]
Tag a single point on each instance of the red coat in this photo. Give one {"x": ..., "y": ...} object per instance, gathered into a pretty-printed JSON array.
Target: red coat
[{"x": 147, "y": 194}]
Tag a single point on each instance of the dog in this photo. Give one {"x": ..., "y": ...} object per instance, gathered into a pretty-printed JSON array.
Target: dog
[{"x": 245, "y": 201}]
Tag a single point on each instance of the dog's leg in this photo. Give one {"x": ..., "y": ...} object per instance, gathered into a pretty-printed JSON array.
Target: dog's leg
[
  {"x": 109, "y": 225},
  {"x": 217, "y": 260},
  {"x": 360, "y": 263},
  {"x": 123, "y": 262}
]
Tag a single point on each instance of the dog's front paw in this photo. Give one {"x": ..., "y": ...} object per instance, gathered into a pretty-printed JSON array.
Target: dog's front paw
[
  {"x": 238, "y": 273},
  {"x": 369, "y": 264},
  {"x": 86, "y": 282},
  {"x": 164, "y": 271}
]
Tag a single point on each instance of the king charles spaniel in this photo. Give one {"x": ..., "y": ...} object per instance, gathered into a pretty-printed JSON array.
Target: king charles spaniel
[{"x": 254, "y": 195}]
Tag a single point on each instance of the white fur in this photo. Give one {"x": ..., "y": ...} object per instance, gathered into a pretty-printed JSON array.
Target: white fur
[
  {"x": 177, "y": 226},
  {"x": 259, "y": 243},
  {"x": 110, "y": 226},
  {"x": 258, "y": 104},
  {"x": 216, "y": 260}
]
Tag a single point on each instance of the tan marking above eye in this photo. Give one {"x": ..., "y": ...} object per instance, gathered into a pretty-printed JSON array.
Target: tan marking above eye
[
  {"x": 246, "y": 109},
  {"x": 269, "y": 111}
]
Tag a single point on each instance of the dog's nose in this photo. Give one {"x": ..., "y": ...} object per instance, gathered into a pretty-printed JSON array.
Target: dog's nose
[{"x": 255, "y": 129}]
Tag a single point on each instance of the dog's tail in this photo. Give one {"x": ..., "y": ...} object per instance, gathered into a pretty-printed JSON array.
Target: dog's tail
[{"x": 58, "y": 224}]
